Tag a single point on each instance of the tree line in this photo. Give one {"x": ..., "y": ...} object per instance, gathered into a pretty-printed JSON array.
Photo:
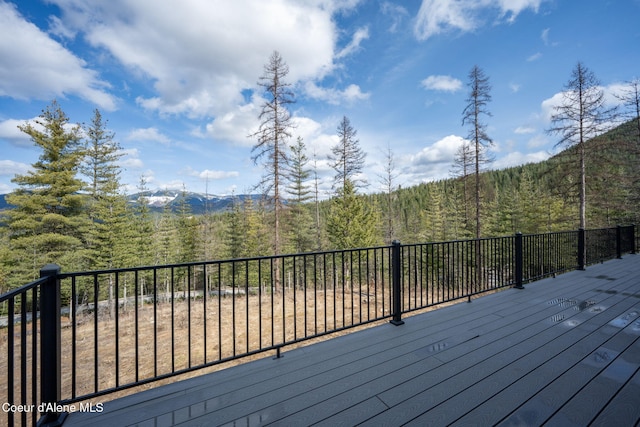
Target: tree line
[{"x": 71, "y": 210}]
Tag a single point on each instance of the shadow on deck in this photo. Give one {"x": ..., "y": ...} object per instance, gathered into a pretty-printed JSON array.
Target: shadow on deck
[{"x": 563, "y": 351}]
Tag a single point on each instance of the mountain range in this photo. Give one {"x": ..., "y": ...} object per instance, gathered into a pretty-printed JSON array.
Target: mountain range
[{"x": 160, "y": 200}]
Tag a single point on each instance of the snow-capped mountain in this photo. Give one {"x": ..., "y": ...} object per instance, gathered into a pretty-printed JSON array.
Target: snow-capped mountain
[
  {"x": 198, "y": 203},
  {"x": 172, "y": 200}
]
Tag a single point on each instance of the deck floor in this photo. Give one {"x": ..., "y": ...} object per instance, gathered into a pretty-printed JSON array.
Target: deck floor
[{"x": 564, "y": 351}]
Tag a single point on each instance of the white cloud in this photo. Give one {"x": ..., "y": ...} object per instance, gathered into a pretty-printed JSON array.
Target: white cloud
[
  {"x": 35, "y": 66},
  {"x": 353, "y": 46},
  {"x": 214, "y": 174},
  {"x": 548, "y": 106},
  {"x": 9, "y": 131},
  {"x": 5, "y": 188},
  {"x": 10, "y": 168},
  {"x": 130, "y": 159},
  {"x": 148, "y": 135},
  {"x": 228, "y": 45},
  {"x": 396, "y": 12},
  {"x": 350, "y": 94},
  {"x": 57, "y": 28},
  {"x": 236, "y": 124},
  {"x": 512, "y": 8},
  {"x": 439, "y": 16},
  {"x": 537, "y": 141},
  {"x": 514, "y": 87},
  {"x": 515, "y": 158},
  {"x": 442, "y": 151},
  {"x": 523, "y": 130},
  {"x": 442, "y": 83},
  {"x": 431, "y": 163},
  {"x": 545, "y": 36},
  {"x": 534, "y": 57}
]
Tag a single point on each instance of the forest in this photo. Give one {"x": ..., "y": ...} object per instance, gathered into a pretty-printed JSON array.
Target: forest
[{"x": 70, "y": 210}]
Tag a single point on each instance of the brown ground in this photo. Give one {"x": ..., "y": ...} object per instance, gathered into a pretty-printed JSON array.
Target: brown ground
[{"x": 221, "y": 342}]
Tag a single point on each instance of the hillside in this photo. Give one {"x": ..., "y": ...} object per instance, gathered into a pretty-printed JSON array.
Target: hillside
[{"x": 535, "y": 197}]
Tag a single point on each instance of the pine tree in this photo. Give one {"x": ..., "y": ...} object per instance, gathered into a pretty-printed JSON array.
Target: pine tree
[
  {"x": 477, "y": 101},
  {"x": 580, "y": 116},
  {"x": 143, "y": 242},
  {"x": 352, "y": 223},
  {"x": 316, "y": 202},
  {"x": 388, "y": 181},
  {"x": 235, "y": 231},
  {"x": 462, "y": 167},
  {"x": 275, "y": 130},
  {"x": 347, "y": 158},
  {"x": 298, "y": 189},
  {"x": 47, "y": 222},
  {"x": 106, "y": 205},
  {"x": 433, "y": 217},
  {"x": 187, "y": 230}
]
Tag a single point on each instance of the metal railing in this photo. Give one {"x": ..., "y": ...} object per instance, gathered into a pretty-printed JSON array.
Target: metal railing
[{"x": 72, "y": 337}]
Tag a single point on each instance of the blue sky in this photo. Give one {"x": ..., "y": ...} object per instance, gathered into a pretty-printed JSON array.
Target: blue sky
[{"x": 177, "y": 80}]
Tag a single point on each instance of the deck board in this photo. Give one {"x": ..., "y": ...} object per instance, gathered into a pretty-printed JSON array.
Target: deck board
[{"x": 564, "y": 350}]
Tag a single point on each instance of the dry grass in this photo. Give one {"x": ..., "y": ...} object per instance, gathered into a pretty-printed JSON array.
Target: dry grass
[{"x": 234, "y": 326}]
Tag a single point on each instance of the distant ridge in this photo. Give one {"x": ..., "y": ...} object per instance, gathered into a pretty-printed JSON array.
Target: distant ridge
[
  {"x": 198, "y": 203},
  {"x": 3, "y": 202}
]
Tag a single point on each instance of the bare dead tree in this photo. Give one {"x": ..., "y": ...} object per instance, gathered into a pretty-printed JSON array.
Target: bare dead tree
[
  {"x": 272, "y": 135},
  {"x": 581, "y": 116},
  {"x": 477, "y": 101},
  {"x": 316, "y": 200},
  {"x": 347, "y": 158},
  {"x": 388, "y": 181},
  {"x": 462, "y": 165},
  {"x": 630, "y": 98}
]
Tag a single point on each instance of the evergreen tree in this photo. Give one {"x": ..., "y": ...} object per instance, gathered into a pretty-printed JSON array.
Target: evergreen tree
[
  {"x": 433, "y": 217},
  {"x": 235, "y": 230},
  {"x": 143, "y": 242},
  {"x": 352, "y": 223},
  {"x": 187, "y": 230},
  {"x": 106, "y": 205},
  {"x": 316, "y": 200},
  {"x": 298, "y": 189},
  {"x": 48, "y": 218},
  {"x": 5, "y": 264}
]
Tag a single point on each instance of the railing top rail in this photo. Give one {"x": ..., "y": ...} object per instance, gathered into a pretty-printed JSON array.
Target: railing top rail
[
  {"x": 611, "y": 228},
  {"x": 214, "y": 262},
  {"x": 320, "y": 253},
  {"x": 6, "y": 296},
  {"x": 551, "y": 233}
]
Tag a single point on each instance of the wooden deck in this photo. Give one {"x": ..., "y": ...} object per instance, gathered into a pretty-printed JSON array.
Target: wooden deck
[{"x": 563, "y": 351}]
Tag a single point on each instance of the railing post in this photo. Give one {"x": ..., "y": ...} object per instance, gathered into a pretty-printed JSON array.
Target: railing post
[
  {"x": 633, "y": 239},
  {"x": 519, "y": 261},
  {"x": 396, "y": 279},
  {"x": 50, "y": 344},
  {"x": 619, "y": 242},
  {"x": 581, "y": 248}
]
